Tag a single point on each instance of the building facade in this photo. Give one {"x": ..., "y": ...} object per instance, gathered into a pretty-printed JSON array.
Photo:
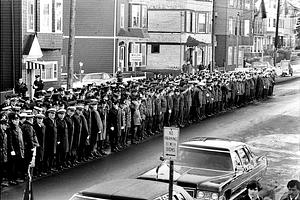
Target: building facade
[
  {"x": 42, "y": 41},
  {"x": 11, "y": 46},
  {"x": 233, "y": 25},
  {"x": 107, "y": 33},
  {"x": 180, "y": 32}
]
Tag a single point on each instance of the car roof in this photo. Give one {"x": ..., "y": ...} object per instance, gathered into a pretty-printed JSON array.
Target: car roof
[
  {"x": 213, "y": 144},
  {"x": 128, "y": 189}
]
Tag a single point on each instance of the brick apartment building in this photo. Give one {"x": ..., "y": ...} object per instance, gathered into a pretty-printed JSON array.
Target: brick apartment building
[
  {"x": 106, "y": 33},
  {"x": 179, "y": 32},
  {"x": 11, "y": 45},
  {"x": 42, "y": 41},
  {"x": 233, "y": 31},
  {"x": 31, "y": 42}
]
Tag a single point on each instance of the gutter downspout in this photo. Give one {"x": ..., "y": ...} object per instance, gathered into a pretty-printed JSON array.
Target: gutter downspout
[{"x": 115, "y": 29}]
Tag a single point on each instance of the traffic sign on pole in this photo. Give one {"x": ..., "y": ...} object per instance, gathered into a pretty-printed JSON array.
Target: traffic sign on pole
[{"x": 171, "y": 138}]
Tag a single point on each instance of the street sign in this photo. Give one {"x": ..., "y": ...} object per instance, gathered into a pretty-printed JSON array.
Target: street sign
[
  {"x": 135, "y": 57},
  {"x": 171, "y": 138}
]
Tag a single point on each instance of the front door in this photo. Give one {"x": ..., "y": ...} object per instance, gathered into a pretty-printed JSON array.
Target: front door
[{"x": 121, "y": 58}]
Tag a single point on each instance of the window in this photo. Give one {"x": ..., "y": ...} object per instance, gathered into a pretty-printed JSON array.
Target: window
[
  {"x": 122, "y": 15},
  {"x": 143, "y": 51},
  {"x": 244, "y": 158},
  {"x": 50, "y": 71},
  {"x": 229, "y": 55},
  {"x": 144, "y": 17},
  {"x": 274, "y": 22},
  {"x": 201, "y": 23},
  {"x": 135, "y": 16},
  {"x": 188, "y": 21},
  {"x": 246, "y": 27},
  {"x": 194, "y": 22},
  {"x": 231, "y": 26},
  {"x": 269, "y": 22},
  {"x": 155, "y": 48},
  {"x": 231, "y": 3},
  {"x": 136, "y": 49},
  {"x": 46, "y": 16},
  {"x": 30, "y": 15},
  {"x": 247, "y": 4},
  {"x": 58, "y": 15}
]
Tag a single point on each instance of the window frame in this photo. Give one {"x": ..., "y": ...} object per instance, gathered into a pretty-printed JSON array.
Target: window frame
[
  {"x": 43, "y": 28},
  {"x": 144, "y": 17},
  {"x": 60, "y": 16},
  {"x": 122, "y": 15},
  {"x": 29, "y": 3},
  {"x": 230, "y": 53},
  {"x": 43, "y": 72},
  {"x": 138, "y": 25},
  {"x": 156, "y": 46},
  {"x": 144, "y": 54},
  {"x": 198, "y": 23}
]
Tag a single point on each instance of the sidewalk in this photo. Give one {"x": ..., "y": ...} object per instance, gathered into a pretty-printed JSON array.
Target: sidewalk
[{"x": 286, "y": 78}]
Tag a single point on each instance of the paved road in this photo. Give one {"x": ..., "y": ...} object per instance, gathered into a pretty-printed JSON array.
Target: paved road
[{"x": 271, "y": 127}]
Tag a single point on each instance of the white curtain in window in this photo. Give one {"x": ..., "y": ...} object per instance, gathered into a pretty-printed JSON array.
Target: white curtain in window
[
  {"x": 58, "y": 15},
  {"x": 201, "y": 23},
  {"x": 30, "y": 15},
  {"x": 46, "y": 16},
  {"x": 144, "y": 16},
  {"x": 246, "y": 27},
  {"x": 122, "y": 15},
  {"x": 135, "y": 16}
]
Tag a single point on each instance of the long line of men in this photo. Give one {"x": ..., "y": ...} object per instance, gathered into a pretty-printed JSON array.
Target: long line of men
[{"x": 72, "y": 126}]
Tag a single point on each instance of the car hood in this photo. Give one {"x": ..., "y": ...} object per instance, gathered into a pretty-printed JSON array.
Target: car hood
[{"x": 205, "y": 179}]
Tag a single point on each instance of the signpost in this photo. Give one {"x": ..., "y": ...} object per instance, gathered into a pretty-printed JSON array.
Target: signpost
[{"x": 171, "y": 138}]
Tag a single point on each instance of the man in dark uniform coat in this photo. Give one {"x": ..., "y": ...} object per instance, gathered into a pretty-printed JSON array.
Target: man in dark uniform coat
[
  {"x": 62, "y": 139},
  {"x": 70, "y": 124},
  {"x": 51, "y": 139},
  {"x": 112, "y": 125},
  {"x": 39, "y": 128},
  {"x": 77, "y": 133}
]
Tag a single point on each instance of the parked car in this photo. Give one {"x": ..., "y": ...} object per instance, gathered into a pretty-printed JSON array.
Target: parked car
[
  {"x": 131, "y": 189},
  {"x": 212, "y": 168},
  {"x": 94, "y": 78}
]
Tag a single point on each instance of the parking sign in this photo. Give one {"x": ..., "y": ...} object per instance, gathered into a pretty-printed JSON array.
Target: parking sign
[{"x": 171, "y": 138}]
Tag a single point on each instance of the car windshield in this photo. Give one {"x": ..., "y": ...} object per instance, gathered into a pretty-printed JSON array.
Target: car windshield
[
  {"x": 93, "y": 76},
  {"x": 205, "y": 159}
]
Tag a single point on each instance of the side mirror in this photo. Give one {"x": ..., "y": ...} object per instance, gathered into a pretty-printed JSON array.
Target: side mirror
[{"x": 239, "y": 170}]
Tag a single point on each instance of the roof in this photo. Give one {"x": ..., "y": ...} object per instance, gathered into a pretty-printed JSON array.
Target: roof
[
  {"x": 128, "y": 189},
  {"x": 191, "y": 42},
  {"x": 218, "y": 144}
]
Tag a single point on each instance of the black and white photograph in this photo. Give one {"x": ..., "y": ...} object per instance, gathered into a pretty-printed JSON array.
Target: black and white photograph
[{"x": 150, "y": 100}]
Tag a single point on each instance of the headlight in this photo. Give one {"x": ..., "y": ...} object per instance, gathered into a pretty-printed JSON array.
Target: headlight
[
  {"x": 214, "y": 196},
  {"x": 207, "y": 196},
  {"x": 200, "y": 195}
]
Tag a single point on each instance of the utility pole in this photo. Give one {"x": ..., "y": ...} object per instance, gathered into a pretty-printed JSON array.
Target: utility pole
[
  {"x": 237, "y": 39},
  {"x": 276, "y": 32},
  {"x": 213, "y": 50},
  {"x": 70, "y": 68}
]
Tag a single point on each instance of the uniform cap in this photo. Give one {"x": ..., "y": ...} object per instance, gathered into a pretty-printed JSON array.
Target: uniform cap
[
  {"x": 51, "y": 110},
  {"x": 71, "y": 108},
  {"x": 40, "y": 116},
  {"x": 38, "y": 108},
  {"x": 61, "y": 110}
]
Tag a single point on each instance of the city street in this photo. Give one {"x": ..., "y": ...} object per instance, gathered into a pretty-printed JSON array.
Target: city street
[{"x": 271, "y": 127}]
